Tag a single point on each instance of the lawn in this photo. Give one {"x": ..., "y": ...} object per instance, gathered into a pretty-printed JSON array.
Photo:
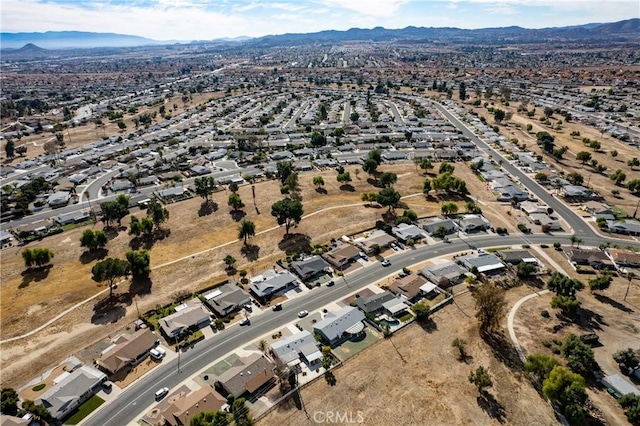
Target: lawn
[{"x": 84, "y": 410}]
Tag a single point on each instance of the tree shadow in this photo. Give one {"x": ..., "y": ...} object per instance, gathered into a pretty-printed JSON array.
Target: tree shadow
[
  {"x": 503, "y": 350},
  {"x": 590, "y": 320},
  {"x": 428, "y": 325},
  {"x": 374, "y": 182},
  {"x": 330, "y": 378},
  {"x": 489, "y": 404},
  {"x": 89, "y": 256},
  {"x": 140, "y": 287},
  {"x": 111, "y": 309},
  {"x": 606, "y": 299},
  {"x": 321, "y": 190},
  {"x": 250, "y": 251},
  {"x": 207, "y": 208},
  {"x": 111, "y": 231},
  {"x": 295, "y": 243},
  {"x": 237, "y": 215},
  {"x": 34, "y": 275},
  {"x": 347, "y": 187}
]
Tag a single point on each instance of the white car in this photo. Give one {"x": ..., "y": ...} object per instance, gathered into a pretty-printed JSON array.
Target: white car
[
  {"x": 157, "y": 353},
  {"x": 303, "y": 314},
  {"x": 161, "y": 393},
  {"x": 385, "y": 262}
]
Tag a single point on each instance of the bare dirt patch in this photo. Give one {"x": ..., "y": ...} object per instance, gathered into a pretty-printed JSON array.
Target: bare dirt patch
[{"x": 398, "y": 381}]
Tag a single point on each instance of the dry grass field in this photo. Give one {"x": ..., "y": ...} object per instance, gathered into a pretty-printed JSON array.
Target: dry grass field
[
  {"x": 68, "y": 281},
  {"x": 414, "y": 378}
]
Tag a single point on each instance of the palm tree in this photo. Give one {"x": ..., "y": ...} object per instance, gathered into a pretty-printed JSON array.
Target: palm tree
[
  {"x": 246, "y": 229},
  {"x": 263, "y": 346}
]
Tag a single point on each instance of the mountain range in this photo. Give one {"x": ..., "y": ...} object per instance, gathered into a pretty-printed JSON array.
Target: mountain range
[{"x": 627, "y": 30}]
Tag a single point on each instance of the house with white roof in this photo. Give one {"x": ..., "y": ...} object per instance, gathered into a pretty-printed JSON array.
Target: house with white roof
[{"x": 292, "y": 350}]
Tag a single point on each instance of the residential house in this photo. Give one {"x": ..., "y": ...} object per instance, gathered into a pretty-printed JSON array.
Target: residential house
[
  {"x": 576, "y": 191},
  {"x": 186, "y": 316},
  {"x": 597, "y": 208},
  {"x": 514, "y": 257},
  {"x": 340, "y": 325},
  {"x": 408, "y": 287},
  {"x": 623, "y": 258},
  {"x": 184, "y": 407},
  {"x": 70, "y": 390},
  {"x": 149, "y": 181},
  {"x": 226, "y": 299},
  {"x": 119, "y": 185},
  {"x": 127, "y": 349},
  {"x": 597, "y": 259},
  {"x": 543, "y": 219},
  {"x": 619, "y": 385},
  {"x": 300, "y": 347},
  {"x": 310, "y": 268},
  {"x": 200, "y": 170},
  {"x": 33, "y": 228},
  {"x": 487, "y": 263},
  {"x": 531, "y": 207},
  {"x": 376, "y": 238},
  {"x": 511, "y": 193},
  {"x": 246, "y": 376},
  {"x": 6, "y": 420},
  {"x": 473, "y": 223},
  {"x": 271, "y": 282},
  {"x": 439, "y": 227},
  {"x": 58, "y": 199},
  {"x": 6, "y": 238},
  {"x": 171, "y": 193},
  {"x": 406, "y": 232},
  {"x": 72, "y": 217},
  {"x": 445, "y": 274},
  {"x": 342, "y": 255},
  {"x": 626, "y": 227},
  {"x": 373, "y": 304}
]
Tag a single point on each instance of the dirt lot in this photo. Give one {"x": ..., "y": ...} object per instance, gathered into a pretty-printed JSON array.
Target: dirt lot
[
  {"x": 616, "y": 322},
  {"x": 68, "y": 282},
  {"x": 402, "y": 381},
  {"x": 601, "y": 183}
]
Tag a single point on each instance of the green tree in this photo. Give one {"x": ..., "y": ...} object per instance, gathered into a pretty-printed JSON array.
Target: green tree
[
  {"x": 618, "y": 176},
  {"x": 240, "y": 413},
  {"x": 446, "y": 168},
  {"x": 9, "y": 148},
  {"x": 110, "y": 270},
  {"x": 235, "y": 202},
  {"x": 634, "y": 185},
  {"x": 204, "y": 187},
  {"x": 318, "y": 181},
  {"x": 627, "y": 359},
  {"x": 157, "y": 213},
  {"x": 634, "y": 162},
  {"x": 525, "y": 269},
  {"x": 375, "y": 155},
  {"x": 472, "y": 207},
  {"x": 595, "y": 145},
  {"x": 318, "y": 139},
  {"x": 498, "y": 115},
  {"x": 425, "y": 164},
  {"x": 426, "y": 186},
  {"x": 9, "y": 402},
  {"x": 631, "y": 405},
  {"x": 139, "y": 264},
  {"x": 421, "y": 310},
  {"x": 490, "y": 307},
  {"x": 529, "y": 127},
  {"x": 613, "y": 153},
  {"x": 462, "y": 90},
  {"x": 37, "y": 257},
  {"x": 388, "y": 179},
  {"x": 285, "y": 168},
  {"x": 287, "y": 212},
  {"x": 229, "y": 261},
  {"x": 480, "y": 377},
  {"x": 233, "y": 187},
  {"x": 540, "y": 365},
  {"x": 562, "y": 285},
  {"x": 292, "y": 182},
  {"x": 344, "y": 178},
  {"x": 113, "y": 211},
  {"x": 461, "y": 345},
  {"x": 246, "y": 229},
  {"x": 575, "y": 178},
  {"x": 388, "y": 197},
  {"x": 567, "y": 304},
  {"x": 354, "y": 116},
  {"x": 601, "y": 282},
  {"x": 211, "y": 418},
  {"x": 93, "y": 239},
  {"x": 579, "y": 355},
  {"x": 370, "y": 166},
  {"x": 38, "y": 410},
  {"x": 569, "y": 390},
  {"x": 546, "y": 141},
  {"x": 449, "y": 208},
  {"x": 583, "y": 156}
]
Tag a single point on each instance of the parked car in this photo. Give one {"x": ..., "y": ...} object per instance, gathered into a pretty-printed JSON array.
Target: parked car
[
  {"x": 277, "y": 307},
  {"x": 402, "y": 274},
  {"x": 364, "y": 256},
  {"x": 107, "y": 385},
  {"x": 394, "y": 247},
  {"x": 248, "y": 307},
  {"x": 330, "y": 283},
  {"x": 303, "y": 314},
  {"x": 157, "y": 353},
  {"x": 245, "y": 321},
  {"x": 161, "y": 393},
  {"x": 385, "y": 262}
]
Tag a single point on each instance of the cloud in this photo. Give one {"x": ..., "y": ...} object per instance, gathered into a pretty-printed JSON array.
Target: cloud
[{"x": 380, "y": 8}]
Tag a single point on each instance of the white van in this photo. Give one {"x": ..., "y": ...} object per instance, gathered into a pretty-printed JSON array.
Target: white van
[
  {"x": 157, "y": 353},
  {"x": 160, "y": 393}
]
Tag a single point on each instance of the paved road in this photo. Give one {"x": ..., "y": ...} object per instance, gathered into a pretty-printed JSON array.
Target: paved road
[
  {"x": 396, "y": 113},
  {"x": 292, "y": 123},
  {"x": 346, "y": 115},
  {"x": 580, "y": 227},
  {"x": 139, "y": 395}
]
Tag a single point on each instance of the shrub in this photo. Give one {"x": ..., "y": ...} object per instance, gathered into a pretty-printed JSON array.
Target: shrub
[
  {"x": 544, "y": 313},
  {"x": 38, "y": 388}
]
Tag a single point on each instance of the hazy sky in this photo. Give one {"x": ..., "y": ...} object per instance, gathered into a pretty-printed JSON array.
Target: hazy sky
[{"x": 210, "y": 19}]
